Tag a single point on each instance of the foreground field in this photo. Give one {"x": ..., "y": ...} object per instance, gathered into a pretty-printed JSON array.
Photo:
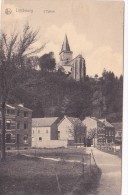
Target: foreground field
[{"x": 21, "y": 175}]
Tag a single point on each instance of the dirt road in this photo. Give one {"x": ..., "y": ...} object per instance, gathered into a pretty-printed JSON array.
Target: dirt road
[{"x": 110, "y": 183}]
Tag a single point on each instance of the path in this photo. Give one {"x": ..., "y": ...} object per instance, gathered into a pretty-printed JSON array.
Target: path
[
  {"x": 110, "y": 183},
  {"x": 55, "y": 159}
]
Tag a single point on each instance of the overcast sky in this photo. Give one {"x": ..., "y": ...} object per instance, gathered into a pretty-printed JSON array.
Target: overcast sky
[{"x": 94, "y": 29}]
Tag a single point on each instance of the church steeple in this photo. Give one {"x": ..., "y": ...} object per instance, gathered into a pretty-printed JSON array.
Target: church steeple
[
  {"x": 65, "y": 45},
  {"x": 66, "y": 53}
]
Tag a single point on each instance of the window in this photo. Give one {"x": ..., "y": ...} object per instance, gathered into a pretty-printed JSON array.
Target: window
[
  {"x": 18, "y": 140},
  {"x": 18, "y": 125},
  {"x": 12, "y": 112},
  {"x": 25, "y": 125},
  {"x": 39, "y": 131},
  {"x": 25, "y": 114},
  {"x": 25, "y": 138},
  {"x": 40, "y": 138},
  {"x": 8, "y": 124},
  {"x": 18, "y": 113},
  {"x": 58, "y": 134},
  {"x": 8, "y": 111},
  {"x": 106, "y": 132},
  {"x": 46, "y": 131},
  {"x": 8, "y": 138}
]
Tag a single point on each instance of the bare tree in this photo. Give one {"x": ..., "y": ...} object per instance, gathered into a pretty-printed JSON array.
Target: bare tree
[
  {"x": 13, "y": 50},
  {"x": 78, "y": 133},
  {"x": 92, "y": 133}
]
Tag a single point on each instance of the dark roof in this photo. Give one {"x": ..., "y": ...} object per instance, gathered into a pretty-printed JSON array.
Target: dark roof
[
  {"x": 17, "y": 106},
  {"x": 65, "y": 45},
  {"x": 23, "y": 108},
  {"x": 43, "y": 122},
  {"x": 118, "y": 126},
  {"x": 71, "y": 61},
  {"x": 74, "y": 121},
  {"x": 107, "y": 124}
]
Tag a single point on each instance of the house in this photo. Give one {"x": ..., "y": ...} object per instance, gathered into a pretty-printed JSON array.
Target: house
[
  {"x": 18, "y": 126},
  {"x": 72, "y": 130},
  {"x": 105, "y": 132},
  {"x": 45, "y": 133},
  {"x": 100, "y": 131},
  {"x": 91, "y": 130},
  {"x": 118, "y": 132}
]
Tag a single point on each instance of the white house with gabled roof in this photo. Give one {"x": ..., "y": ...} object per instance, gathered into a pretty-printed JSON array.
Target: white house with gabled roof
[
  {"x": 72, "y": 130},
  {"x": 45, "y": 133}
]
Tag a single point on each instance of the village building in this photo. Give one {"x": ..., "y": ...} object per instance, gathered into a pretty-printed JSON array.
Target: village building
[
  {"x": 75, "y": 67},
  {"x": 100, "y": 131},
  {"x": 45, "y": 133},
  {"x": 118, "y": 132},
  {"x": 105, "y": 132},
  {"x": 91, "y": 130},
  {"x": 72, "y": 130},
  {"x": 18, "y": 121}
]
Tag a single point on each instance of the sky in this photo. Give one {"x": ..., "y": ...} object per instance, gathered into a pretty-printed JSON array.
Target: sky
[{"x": 94, "y": 28}]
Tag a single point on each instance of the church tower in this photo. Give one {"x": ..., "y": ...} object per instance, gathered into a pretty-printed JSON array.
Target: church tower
[
  {"x": 75, "y": 68},
  {"x": 66, "y": 53},
  {"x": 78, "y": 68}
]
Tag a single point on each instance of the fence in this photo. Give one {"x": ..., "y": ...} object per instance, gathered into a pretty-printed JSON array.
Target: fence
[
  {"x": 110, "y": 148},
  {"x": 86, "y": 170},
  {"x": 64, "y": 170}
]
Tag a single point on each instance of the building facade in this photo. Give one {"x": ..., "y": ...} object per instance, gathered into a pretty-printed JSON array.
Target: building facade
[
  {"x": 99, "y": 131},
  {"x": 18, "y": 127},
  {"x": 75, "y": 67},
  {"x": 45, "y": 133},
  {"x": 72, "y": 130},
  {"x": 118, "y": 132},
  {"x": 91, "y": 130},
  {"x": 105, "y": 132}
]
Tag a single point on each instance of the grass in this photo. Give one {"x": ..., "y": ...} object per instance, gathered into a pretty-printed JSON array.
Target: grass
[{"x": 21, "y": 175}]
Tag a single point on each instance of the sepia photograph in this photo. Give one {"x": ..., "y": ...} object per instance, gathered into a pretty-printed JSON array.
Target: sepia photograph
[{"x": 61, "y": 97}]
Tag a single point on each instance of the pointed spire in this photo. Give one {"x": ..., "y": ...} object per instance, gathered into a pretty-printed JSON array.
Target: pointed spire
[{"x": 65, "y": 46}]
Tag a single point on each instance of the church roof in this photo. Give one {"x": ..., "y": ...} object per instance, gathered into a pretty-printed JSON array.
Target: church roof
[{"x": 65, "y": 45}]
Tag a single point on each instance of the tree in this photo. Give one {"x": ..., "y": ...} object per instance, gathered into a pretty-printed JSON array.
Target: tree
[
  {"x": 92, "y": 133},
  {"x": 78, "y": 131},
  {"x": 14, "y": 49},
  {"x": 47, "y": 62},
  {"x": 112, "y": 90}
]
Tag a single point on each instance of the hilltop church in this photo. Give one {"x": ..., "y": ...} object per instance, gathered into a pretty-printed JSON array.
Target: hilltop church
[{"x": 75, "y": 67}]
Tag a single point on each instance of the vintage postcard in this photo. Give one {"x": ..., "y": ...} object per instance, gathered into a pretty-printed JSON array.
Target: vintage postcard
[{"x": 61, "y": 97}]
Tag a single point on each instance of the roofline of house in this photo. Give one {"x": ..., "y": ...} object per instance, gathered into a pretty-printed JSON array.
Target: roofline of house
[
  {"x": 47, "y": 118},
  {"x": 14, "y": 106},
  {"x": 63, "y": 119}
]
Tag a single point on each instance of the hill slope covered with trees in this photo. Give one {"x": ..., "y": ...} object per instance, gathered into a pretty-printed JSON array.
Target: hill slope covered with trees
[{"x": 50, "y": 93}]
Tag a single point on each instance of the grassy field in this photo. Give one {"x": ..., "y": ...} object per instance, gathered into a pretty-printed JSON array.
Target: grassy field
[{"x": 21, "y": 175}]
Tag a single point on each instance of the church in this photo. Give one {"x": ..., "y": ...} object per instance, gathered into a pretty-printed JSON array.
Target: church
[{"x": 74, "y": 67}]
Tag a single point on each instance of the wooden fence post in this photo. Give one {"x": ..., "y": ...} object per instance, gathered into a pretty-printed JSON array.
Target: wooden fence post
[
  {"x": 83, "y": 166},
  {"x": 90, "y": 165},
  {"x": 58, "y": 184}
]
